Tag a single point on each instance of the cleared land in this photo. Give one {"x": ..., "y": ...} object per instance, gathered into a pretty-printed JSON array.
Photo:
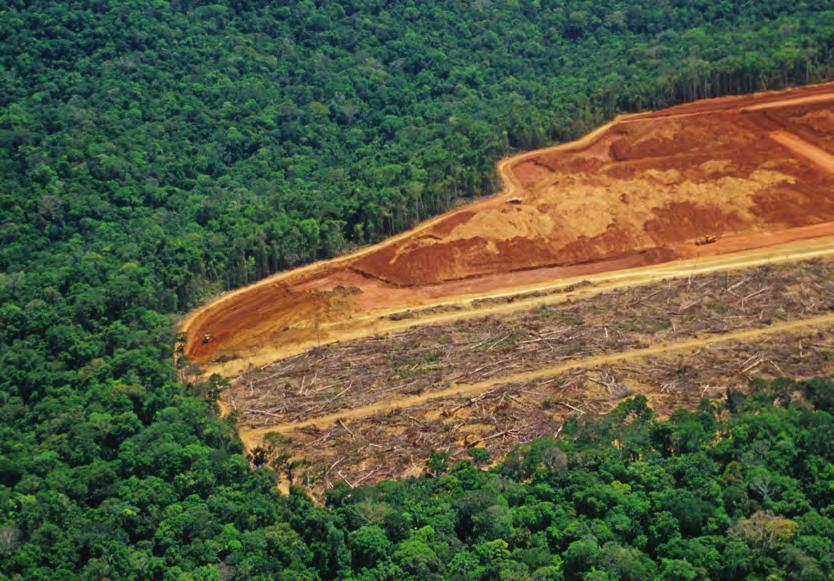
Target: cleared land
[
  {"x": 395, "y": 443},
  {"x": 379, "y": 405},
  {"x": 753, "y": 171},
  {"x": 339, "y": 377},
  {"x": 578, "y": 286}
]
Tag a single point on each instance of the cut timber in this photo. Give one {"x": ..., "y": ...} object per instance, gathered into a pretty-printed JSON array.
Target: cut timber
[
  {"x": 475, "y": 388},
  {"x": 438, "y": 353}
]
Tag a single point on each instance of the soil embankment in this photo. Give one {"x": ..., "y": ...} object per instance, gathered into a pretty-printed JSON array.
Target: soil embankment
[{"x": 752, "y": 171}]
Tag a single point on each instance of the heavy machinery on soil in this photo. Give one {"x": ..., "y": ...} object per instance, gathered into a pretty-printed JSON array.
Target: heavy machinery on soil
[{"x": 706, "y": 239}]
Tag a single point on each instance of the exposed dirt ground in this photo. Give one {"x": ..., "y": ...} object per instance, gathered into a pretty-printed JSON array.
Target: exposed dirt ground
[
  {"x": 754, "y": 171},
  {"x": 377, "y": 406},
  {"x": 582, "y": 283},
  {"x": 383, "y": 368}
]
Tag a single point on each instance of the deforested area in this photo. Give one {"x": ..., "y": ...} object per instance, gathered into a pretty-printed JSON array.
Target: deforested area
[
  {"x": 389, "y": 444},
  {"x": 704, "y": 179},
  {"x": 359, "y": 373},
  {"x": 266, "y": 201}
]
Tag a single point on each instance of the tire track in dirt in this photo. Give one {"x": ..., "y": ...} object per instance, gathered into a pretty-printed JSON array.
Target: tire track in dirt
[
  {"x": 804, "y": 149},
  {"x": 250, "y": 435}
]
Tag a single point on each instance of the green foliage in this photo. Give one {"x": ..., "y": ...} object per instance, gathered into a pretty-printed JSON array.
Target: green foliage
[
  {"x": 153, "y": 154},
  {"x": 636, "y": 511},
  {"x": 479, "y": 456},
  {"x": 438, "y": 463},
  {"x": 369, "y": 546}
]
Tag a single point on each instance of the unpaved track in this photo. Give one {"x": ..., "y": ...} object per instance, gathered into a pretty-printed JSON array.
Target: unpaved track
[
  {"x": 802, "y": 148},
  {"x": 809, "y": 100},
  {"x": 253, "y": 436},
  {"x": 379, "y": 322}
]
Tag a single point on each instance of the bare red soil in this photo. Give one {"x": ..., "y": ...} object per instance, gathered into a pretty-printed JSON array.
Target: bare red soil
[{"x": 752, "y": 171}]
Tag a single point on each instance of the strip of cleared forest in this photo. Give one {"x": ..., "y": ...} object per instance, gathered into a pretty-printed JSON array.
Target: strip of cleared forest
[
  {"x": 359, "y": 373},
  {"x": 398, "y": 442}
]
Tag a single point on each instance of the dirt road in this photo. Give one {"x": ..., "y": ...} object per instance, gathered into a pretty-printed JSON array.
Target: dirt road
[
  {"x": 465, "y": 306},
  {"x": 796, "y": 144}
]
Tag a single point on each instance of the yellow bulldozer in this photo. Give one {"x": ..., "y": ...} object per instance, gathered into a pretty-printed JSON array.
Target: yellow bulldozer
[{"x": 706, "y": 239}]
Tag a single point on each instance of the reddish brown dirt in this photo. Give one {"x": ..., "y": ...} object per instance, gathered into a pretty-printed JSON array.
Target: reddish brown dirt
[
  {"x": 753, "y": 170},
  {"x": 291, "y": 312}
]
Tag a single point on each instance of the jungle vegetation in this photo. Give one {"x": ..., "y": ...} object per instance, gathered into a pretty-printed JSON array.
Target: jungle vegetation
[{"x": 155, "y": 153}]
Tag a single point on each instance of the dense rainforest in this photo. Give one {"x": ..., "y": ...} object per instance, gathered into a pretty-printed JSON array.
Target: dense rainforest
[{"x": 155, "y": 153}]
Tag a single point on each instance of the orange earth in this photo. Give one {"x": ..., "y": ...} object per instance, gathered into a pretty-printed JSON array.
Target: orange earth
[{"x": 752, "y": 171}]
